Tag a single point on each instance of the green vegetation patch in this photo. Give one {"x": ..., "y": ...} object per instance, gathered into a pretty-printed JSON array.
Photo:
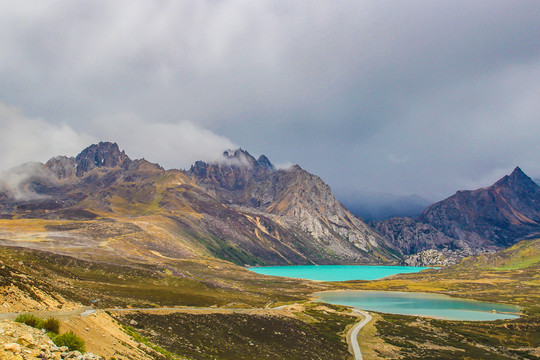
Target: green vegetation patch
[
  {"x": 52, "y": 327},
  {"x": 30, "y": 320},
  {"x": 138, "y": 337},
  {"x": 51, "y": 324},
  {"x": 72, "y": 341}
]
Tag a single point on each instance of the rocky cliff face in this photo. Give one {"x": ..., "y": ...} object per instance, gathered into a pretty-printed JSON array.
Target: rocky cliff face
[
  {"x": 296, "y": 198},
  {"x": 412, "y": 237},
  {"x": 444, "y": 257},
  {"x": 469, "y": 221}
]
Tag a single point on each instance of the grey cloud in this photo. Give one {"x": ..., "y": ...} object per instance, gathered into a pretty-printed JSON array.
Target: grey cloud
[
  {"x": 16, "y": 182},
  {"x": 172, "y": 145},
  {"x": 446, "y": 88},
  {"x": 24, "y": 139}
]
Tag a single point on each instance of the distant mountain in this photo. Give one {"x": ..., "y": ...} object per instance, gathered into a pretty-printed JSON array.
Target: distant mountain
[
  {"x": 501, "y": 214},
  {"x": 381, "y": 206},
  {"x": 489, "y": 218},
  {"x": 239, "y": 209}
]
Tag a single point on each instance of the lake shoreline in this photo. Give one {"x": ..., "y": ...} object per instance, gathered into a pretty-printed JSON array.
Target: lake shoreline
[{"x": 401, "y": 302}]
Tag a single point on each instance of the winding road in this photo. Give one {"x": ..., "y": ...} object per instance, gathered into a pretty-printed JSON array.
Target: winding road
[{"x": 352, "y": 336}]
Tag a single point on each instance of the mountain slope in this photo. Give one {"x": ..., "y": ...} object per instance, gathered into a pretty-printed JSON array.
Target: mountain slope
[
  {"x": 499, "y": 215},
  {"x": 240, "y": 209},
  {"x": 523, "y": 255},
  {"x": 485, "y": 219},
  {"x": 296, "y": 199}
]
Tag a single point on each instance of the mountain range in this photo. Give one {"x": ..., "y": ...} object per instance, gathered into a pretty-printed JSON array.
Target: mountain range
[
  {"x": 239, "y": 209},
  {"x": 246, "y": 211}
]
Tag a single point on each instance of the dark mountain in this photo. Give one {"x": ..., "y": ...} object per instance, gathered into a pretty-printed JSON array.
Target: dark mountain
[
  {"x": 489, "y": 218},
  {"x": 412, "y": 236},
  {"x": 102, "y": 155},
  {"x": 240, "y": 208},
  {"x": 230, "y": 177},
  {"x": 500, "y": 215},
  {"x": 382, "y": 206}
]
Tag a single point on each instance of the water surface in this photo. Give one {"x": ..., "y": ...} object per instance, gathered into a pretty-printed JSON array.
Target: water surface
[
  {"x": 422, "y": 304},
  {"x": 336, "y": 272}
]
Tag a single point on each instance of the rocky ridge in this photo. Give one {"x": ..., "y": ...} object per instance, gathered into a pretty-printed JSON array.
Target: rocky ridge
[
  {"x": 444, "y": 257},
  {"x": 498, "y": 215}
]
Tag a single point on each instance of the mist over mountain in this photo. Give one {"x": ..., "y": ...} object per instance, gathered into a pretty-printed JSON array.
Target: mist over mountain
[{"x": 381, "y": 206}]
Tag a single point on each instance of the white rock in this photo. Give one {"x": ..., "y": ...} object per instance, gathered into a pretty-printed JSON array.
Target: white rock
[{"x": 13, "y": 347}]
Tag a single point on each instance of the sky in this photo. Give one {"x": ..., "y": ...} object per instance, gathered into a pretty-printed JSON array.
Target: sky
[{"x": 402, "y": 97}]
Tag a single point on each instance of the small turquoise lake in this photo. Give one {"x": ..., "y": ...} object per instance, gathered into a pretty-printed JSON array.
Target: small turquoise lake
[
  {"x": 421, "y": 304},
  {"x": 336, "y": 272}
]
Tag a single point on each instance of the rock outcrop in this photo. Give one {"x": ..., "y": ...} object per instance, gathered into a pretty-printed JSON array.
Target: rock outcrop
[
  {"x": 104, "y": 154},
  {"x": 19, "y": 341},
  {"x": 444, "y": 257},
  {"x": 412, "y": 237}
]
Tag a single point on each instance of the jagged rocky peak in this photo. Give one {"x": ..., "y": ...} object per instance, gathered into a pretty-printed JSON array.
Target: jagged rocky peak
[
  {"x": 234, "y": 171},
  {"x": 104, "y": 154},
  {"x": 517, "y": 179},
  {"x": 241, "y": 157},
  {"x": 265, "y": 163}
]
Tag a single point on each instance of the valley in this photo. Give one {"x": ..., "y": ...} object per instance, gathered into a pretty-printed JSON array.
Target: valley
[{"x": 101, "y": 230}]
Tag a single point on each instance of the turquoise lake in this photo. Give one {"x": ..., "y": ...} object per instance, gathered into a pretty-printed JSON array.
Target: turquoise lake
[
  {"x": 422, "y": 304},
  {"x": 335, "y": 272}
]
